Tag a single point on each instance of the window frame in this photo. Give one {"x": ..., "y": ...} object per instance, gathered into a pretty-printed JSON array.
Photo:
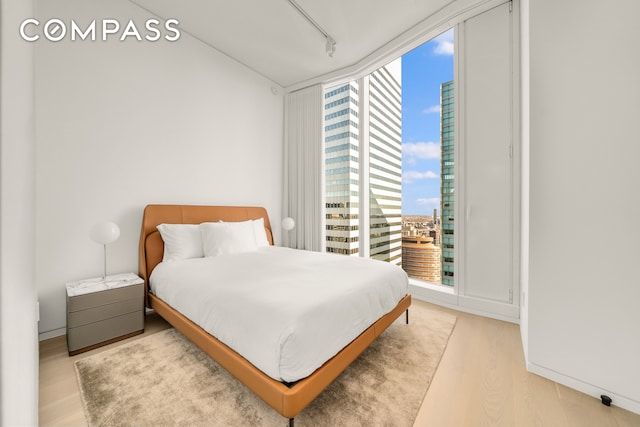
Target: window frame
[{"x": 430, "y": 28}]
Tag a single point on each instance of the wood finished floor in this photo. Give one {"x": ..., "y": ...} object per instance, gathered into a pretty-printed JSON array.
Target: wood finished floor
[{"x": 481, "y": 381}]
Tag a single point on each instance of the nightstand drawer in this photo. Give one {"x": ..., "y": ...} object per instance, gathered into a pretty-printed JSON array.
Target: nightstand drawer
[
  {"x": 95, "y": 299},
  {"x": 104, "y": 330},
  {"x": 103, "y": 312}
]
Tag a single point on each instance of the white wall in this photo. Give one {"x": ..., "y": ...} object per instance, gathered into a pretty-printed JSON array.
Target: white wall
[
  {"x": 124, "y": 124},
  {"x": 18, "y": 317},
  {"x": 584, "y": 287}
]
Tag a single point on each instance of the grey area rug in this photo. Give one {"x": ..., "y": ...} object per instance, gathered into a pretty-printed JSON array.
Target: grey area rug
[{"x": 164, "y": 380}]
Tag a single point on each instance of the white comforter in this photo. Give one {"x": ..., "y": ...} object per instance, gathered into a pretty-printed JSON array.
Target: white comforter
[{"x": 286, "y": 311}]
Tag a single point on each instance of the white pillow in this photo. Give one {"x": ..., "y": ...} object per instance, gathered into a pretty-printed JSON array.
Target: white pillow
[
  {"x": 260, "y": 232},
  {"x": 220, "y": 238},
  {"x": 181, "y": 241}
]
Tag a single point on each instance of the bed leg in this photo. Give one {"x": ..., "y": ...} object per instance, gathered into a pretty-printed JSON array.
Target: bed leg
[
  {"x": 290, "y": 422},
  {"x": 406, "y": 316}
]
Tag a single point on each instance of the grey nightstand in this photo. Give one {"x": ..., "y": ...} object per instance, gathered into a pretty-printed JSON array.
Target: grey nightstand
[{"x": 102, "y": 311}]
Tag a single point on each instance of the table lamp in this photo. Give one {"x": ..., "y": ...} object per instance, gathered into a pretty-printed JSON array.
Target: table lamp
[
  {"x": 105, "y": 232},
  {"x": 288, "y": 223}
]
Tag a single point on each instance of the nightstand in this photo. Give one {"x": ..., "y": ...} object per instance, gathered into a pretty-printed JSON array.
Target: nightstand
[{"x": 101, "y": 311}]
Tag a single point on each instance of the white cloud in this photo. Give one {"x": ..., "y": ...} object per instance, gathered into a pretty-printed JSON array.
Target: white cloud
[
  {"x": 431, "y": 110},
  {"x": 429, "y": 203},
  {"x": 410, "y": 177},
  {"x": 443, "y": 48},
  {"x": 444, "y": 43},
  {"x": 420, "y": 150}
]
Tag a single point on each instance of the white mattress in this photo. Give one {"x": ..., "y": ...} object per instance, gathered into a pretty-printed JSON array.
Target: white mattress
[{"x": 286, "y": 311}]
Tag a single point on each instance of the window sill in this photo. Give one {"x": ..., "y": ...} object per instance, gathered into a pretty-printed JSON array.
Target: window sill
[
  {"x": 446, "y": 296},
  {"x": 432, "y": 286},
  {"x": 433, "y": 292}
]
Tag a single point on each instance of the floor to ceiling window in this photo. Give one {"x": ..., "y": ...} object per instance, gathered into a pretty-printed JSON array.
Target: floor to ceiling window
[
  {"x": 363, "y": 166},
  {"x": 384, "y": 147},
  {"x": 382, "y": 202},
  {"x": 421, "y": 161},
  {"x": 428, "y": 160}
]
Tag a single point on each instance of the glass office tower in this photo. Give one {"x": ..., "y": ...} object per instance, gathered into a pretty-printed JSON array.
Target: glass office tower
[
  {"x": 341, "y": 142},
  {"x": 447, "y": 181},
  {"x": 362, "y": 124},
  {"x": 385, "y": 163}
]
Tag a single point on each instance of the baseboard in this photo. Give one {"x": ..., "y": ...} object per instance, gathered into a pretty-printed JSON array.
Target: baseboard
[
  {"x": 52, "y": 334},
  {"x": 488, "y": 308},
  {"x": 586, "y": 388}
]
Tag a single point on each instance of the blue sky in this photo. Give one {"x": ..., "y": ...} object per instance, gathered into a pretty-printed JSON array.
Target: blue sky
[{"x": 423, "y": 70}]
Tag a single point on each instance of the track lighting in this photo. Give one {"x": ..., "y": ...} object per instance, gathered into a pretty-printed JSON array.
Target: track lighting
[{"x": 330, "y": 46}]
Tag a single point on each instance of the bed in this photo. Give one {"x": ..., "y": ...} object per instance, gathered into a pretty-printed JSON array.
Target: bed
[{"x": 286, "y": 391}]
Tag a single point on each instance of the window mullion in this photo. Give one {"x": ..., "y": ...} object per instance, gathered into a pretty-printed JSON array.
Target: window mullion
[
  {"x": 363, "y": 142},
  {"x": 459, "y": 135}
]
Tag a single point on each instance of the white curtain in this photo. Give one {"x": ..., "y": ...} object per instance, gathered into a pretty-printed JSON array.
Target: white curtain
[{"x": 304, "y": 169}]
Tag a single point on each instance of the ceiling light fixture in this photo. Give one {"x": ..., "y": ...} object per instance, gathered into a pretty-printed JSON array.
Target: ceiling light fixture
[{"x": 330, "y": 45}]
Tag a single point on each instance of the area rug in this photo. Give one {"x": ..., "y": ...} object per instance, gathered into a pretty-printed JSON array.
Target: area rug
[{"x": 165, "y": 380}]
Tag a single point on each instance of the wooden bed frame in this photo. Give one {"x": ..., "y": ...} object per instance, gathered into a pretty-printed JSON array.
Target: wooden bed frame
[{"x": 289, "y": 399}]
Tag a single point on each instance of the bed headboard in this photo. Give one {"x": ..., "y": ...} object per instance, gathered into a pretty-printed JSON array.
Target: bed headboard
[{"x": 151, "y": 247}]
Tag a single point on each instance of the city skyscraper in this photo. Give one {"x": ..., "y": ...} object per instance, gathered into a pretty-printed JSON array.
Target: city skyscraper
[
  {"x": 341, "y": 148},
  {"x": 385, "y": 163},
  {"x": 447, "y": 181},
  {"x": 421, "y": 258},
  {"x": 367, "y": 109}
]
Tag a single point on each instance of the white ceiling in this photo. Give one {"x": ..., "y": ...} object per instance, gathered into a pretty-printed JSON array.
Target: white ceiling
[{"x": 272, "y": 38}]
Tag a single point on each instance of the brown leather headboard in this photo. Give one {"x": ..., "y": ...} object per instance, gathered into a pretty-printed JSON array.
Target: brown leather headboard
[{"x": 151, "y": 247}]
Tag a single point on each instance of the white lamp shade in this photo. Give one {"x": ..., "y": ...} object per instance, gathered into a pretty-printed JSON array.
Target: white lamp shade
[
  {"x": 104, "y": 232},
  {"x": 288, "y": 223}
]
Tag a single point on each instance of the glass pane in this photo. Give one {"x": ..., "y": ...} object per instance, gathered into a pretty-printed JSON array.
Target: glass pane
[
  {"x": 341, "y": 169},
  {"x": 408, "y": 117},
  {"x": 385, "y": 163},
  {"x": 428, "y": 161}
]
